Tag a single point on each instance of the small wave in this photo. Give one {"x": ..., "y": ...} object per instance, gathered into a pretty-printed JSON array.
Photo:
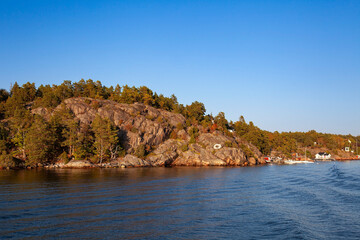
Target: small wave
[{"x": 336, "y": 172}]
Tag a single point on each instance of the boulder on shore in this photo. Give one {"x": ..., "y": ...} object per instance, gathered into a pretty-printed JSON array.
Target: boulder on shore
[
  {"x": 198, "y": 156},
  {"x": 78, "y": 164},
  {"x": 132, "y": 161},
  {"x": 166, "y": 153},
  {"x": 232, "y": 156}
]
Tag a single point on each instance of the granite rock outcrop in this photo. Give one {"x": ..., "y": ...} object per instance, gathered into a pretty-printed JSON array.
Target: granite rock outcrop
[{"x": 140, "y": 124}]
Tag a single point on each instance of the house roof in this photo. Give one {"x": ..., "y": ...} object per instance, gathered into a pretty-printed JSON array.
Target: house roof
[{"x": 323, "y": 153}]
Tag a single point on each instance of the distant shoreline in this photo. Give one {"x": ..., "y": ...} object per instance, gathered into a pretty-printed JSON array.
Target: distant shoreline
[{"x": 84, "y": 164}]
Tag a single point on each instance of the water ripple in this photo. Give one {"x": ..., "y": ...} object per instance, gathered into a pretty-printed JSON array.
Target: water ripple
[{"x": 320, "y": 201}]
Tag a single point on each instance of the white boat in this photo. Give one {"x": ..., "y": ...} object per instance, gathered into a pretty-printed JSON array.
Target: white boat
[{"x": 296, "y": 161}]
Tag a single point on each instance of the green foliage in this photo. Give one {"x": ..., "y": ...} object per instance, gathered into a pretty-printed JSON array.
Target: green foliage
[
  {"x": 221, "y": 121},
  {"x": 20, "y": 125},
  {"x": 140, "y": 151},
  {"x": 253, "y": 134},
  {"x": 195, "y": 111},
  {"x": 81, "y": 141},
  {"x": 48, "y": 97},
  {"x": 179, "y": 126},
  {"x": 134, "y": 129},
  {"x": 3, "y": 146},
  {"x": 184, "y": 147},
  {"x": 106, "y": 138},
  {"x": 6, "y": 160},
  {"x": 4, "y": 95},
  {"x": 206, "y": 123},
  {"x": 39, "y": 140},
  {"x": 309, "y": 155},
  {"x": 4, "y": 138},
  {"x": 229, "y": 144},
  {"x": 63, "y": 157},
  {"x": 247, "y": 151},
  {"x": 194, "y": 133},
  {"x": 69, "y": 131},
  {"x": 84, "y": 145},
  {"x": 28, "y": 92}
]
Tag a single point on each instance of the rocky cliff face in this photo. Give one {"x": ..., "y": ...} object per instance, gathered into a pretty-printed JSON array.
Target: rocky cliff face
[{"x": 140, "y": 124}]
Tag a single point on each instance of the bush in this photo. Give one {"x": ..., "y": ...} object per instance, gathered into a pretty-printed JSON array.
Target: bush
[
  {"x": 150, "y": 117},
  {"x": 64, "y": 158},
  {"x": 140, "y": 151},
  {"x": 247, "y": 151},
  {"x": 194, "y": 133},
  {"x": 179, "y": 126},
  {"x": 184, "y": 147},
  {"x": 134, "y": 130},
  {"x": 88, "y": 101},
  {"x": 6, "y": 160},
  {"x": 160, "y": 119},
  {"x": 122, "y": 153}
]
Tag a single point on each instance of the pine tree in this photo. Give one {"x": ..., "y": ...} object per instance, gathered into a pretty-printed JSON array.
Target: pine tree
[
  {"x": 106, "y": 139},
  {"x": 40, "y": 142},
  {"x": 83, "y": 148},
  {"x": 4, "y": 138},
  {"x": 69, "y": 127},
  {"x": 70, "y": 134},
  {"x": 20, "y": 124},
  {"x": 15, "y": 101}
]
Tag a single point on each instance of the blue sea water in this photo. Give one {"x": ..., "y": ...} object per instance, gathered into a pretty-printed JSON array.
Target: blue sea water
[{"x": 306, "y": 201}]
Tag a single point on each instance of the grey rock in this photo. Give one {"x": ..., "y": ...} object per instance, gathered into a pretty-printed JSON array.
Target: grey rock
[
  {"x": 198, "y": 156},
  {"x": 232, "y": 156},
  {"x": 132, "y": 161},
  {"x": 78, "y": 164},
  {"x": 138, "y": 123},
  {"x": 166, "y": 153}
]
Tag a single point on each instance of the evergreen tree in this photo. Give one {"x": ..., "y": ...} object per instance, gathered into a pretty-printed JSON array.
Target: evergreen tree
[
  {"x": 116, "y": 94},
  {"x": 4, "y": 138},
  {"x": 106, "y": 139},
  {"x": 70, "y": 134},
  {"x": 221, "y": 121},
  {"x": 28, "y": 92},
  {"x": 4, "y": 95},
  {"x": 21, "y": 123},
  {"x": 40, "y": 142},
  {"x": 195, "y": 111},
  {"x": 15, "y": 101},
  {"x": 84, "y": 148}
]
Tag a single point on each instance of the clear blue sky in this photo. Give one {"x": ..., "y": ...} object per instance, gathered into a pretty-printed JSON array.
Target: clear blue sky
[{"x": 285, "y": 65}]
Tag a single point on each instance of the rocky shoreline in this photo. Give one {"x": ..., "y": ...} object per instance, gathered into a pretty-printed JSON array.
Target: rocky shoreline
[
  {"x": 130, "y": 161},
  {"x": 150, "y": 137}
]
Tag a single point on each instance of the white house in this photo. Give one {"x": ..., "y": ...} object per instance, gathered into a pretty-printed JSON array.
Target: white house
[{"x": 323, "y": 155}]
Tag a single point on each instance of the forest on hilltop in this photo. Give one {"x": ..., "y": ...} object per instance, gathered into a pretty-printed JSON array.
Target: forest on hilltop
[{"x": 34, "y": 139}]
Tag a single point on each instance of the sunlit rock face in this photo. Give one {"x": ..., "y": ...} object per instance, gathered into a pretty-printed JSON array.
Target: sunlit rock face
[{"x": 144, "y": 126}]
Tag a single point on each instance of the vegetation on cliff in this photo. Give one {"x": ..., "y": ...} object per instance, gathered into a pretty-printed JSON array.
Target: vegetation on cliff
[{"x": 86, "y": 120}]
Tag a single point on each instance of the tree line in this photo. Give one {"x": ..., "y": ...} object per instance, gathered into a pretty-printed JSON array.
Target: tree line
[{"x": 37, "y": 140}]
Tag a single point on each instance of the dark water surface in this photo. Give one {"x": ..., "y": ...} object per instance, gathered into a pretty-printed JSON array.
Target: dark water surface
[{"x": 310, "y": 201}]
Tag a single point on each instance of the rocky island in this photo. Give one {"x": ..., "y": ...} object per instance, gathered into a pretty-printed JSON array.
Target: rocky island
[
  {"x": 85, "y": 124},
  {"x": 142, "y": 126}
]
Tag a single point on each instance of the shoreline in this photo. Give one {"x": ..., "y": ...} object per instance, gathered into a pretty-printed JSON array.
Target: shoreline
[{"x": 85, "y": 165}]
